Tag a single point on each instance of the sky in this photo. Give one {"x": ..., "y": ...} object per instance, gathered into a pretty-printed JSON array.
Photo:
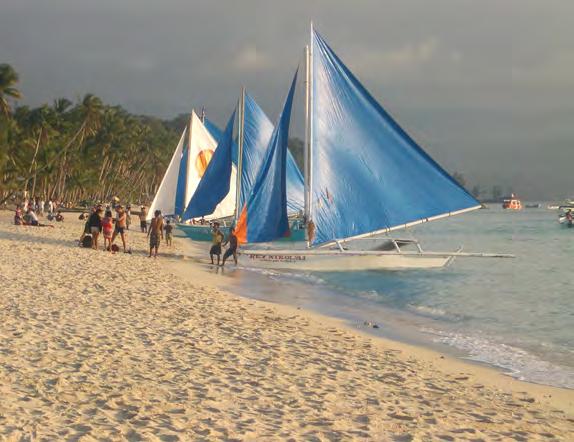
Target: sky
[{"x": 485, "y": 86}]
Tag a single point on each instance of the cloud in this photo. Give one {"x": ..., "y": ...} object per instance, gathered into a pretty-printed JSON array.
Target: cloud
[
  {"x": 409, "y": 57},
  {"x": 249, "y": 59}
]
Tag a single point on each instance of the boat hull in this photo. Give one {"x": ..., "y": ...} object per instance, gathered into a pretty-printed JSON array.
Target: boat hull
[{"x": 339, "y": 262}]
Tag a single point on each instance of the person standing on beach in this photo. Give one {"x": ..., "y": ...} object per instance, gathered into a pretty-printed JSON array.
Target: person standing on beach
[
  {"x": 143, "y": 221},
  {"x": 128, "y": 216},
  {"x": 217, "y": 239},
  {"x": 154, "y": 232},
  {"x": 121, "y": 224},
  {"x": 108, "y": 230},
  {"x": 95, "y": 223},
  {"x": 168, "y": 233},
  {"x": 232, "y": 250}
]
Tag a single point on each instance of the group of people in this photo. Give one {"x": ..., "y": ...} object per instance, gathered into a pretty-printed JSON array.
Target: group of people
[
  {"x": 101, "y": 222},
  {"x": 219, "y": 241},
  {"x": 27, "y": 215}
]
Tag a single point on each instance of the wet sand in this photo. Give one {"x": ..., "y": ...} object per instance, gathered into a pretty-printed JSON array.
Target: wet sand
[{"x": 95, "y": 346}]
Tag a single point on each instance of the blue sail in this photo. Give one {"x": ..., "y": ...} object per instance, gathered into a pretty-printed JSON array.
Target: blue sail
[
  {"x": 257, "y": 130},
  {"x": 295, "y": 186},
  {"x": 264, "y": 216},
  {"x": 217, "y": 134},
  {"x": 213, "y": 130},
  {"x": 368, "y": 174},
  {"x": 214, "y": 185},
  {"x": 181, "y": 183}
]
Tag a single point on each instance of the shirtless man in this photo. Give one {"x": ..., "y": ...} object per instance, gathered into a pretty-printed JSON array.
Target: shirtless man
[
  {"x": 154, "y": 232},
  {"x": 121, "y": 226},
  {"x": 232, "y": 250}
]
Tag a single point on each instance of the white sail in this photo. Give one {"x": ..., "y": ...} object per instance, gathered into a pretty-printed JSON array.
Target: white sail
[
  {"x": 227, "y": 207},
  {"x": 201, "y": 148},
  {"x": 164, "y": 199}
]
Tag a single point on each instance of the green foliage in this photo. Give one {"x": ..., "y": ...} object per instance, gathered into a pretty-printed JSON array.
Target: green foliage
[{"x": 79, "y": 151}]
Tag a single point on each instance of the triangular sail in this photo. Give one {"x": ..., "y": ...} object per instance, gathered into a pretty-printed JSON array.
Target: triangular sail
[
  {"x": 201, "y": 148},
  {"x": 257, "y": 132},
  {"x": 181, "y": 183},
  {"x": 368, "y": 175},
  {"x": 164, "y": 199},
  {"x": 264, "y": 216},
  {"x": 295, "y": 186},
  {"x": 214, "y": 131},
  {"x": 216, "y": 188}
]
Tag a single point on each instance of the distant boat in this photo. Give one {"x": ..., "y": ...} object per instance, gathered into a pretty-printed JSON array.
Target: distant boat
[
  {"x": 512, "y": 203},
  {"x": 566, "y": 214},
  {"x": 533, "y": 206},
  {"x": 364, "y": 177},
  {"x": 567, "y": 203}
]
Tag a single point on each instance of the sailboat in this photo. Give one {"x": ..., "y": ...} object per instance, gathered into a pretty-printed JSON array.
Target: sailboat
[
  {"x": 364, "y": 178},
  {"x": 254, "y": 132},
  {"x": 186, "y": 168}
]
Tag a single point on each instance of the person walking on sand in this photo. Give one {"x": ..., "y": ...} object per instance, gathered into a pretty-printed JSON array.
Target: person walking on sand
[
  {"x": 232, "y": 250},
  {"x": 121, "y": 224},
  {"x": 168, "y": 233},
  {"x": 143, "y": 221},
  {"x": 217, "y": 239},
  {"x": 108, "y": 230},
  {"x": 154, "y": 232},
  {"x": 95, "y": 223}
]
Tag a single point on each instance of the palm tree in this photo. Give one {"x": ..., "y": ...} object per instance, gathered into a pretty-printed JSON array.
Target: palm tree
[{"x": 8, "y": 80}]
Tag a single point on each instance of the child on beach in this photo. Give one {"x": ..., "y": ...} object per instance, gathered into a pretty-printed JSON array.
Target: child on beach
[
  {"x": 232, "y": 250},
  {"x": 108, "y": 230},
  {"x": 154, "y": 233},
  {"x": 143, "y": 221},
  {"x": 168, "y": 233},
  {"x": 128, "y": 216},
  {"x": 18, "y": 218}
]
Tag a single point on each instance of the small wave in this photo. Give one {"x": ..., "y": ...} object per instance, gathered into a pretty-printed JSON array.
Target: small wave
[
  {"x": 516, "y": 362},
  {"x": 435, "y": 313},
  {"x": 286, "y": 275}
]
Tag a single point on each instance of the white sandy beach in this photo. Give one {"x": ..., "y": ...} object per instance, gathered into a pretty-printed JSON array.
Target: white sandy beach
[{"x": 95, "y": 346}]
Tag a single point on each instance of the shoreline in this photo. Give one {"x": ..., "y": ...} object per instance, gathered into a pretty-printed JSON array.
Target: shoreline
[
  {"x": 122, "y": 346},
  {"x": 446, "y": 360}
]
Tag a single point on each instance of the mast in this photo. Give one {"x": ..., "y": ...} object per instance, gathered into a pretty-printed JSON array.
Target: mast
[
  {"x": 188, "y": 162},
  {"x": 308, "y": 172},
  {"x": 240, "y": 135},
  {"x": 306, "y": 149}
]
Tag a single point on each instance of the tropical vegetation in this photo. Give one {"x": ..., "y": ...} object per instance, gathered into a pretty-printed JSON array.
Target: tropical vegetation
[{"x": 73, "y": 151}]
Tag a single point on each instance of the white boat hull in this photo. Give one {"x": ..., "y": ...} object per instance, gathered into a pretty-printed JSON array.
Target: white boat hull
[{"x": 339, "y": 261}]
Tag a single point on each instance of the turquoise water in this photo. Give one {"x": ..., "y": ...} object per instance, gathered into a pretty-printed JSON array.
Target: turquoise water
[
  {"x": 514, "y": 314},
  {"x": 517, "y": 314}
]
